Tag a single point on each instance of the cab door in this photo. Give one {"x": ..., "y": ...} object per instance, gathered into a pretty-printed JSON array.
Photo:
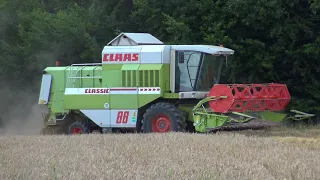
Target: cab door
[{"x": 187, "y": 67}]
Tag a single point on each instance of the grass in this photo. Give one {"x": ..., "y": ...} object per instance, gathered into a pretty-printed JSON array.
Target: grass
[{"x": 273, "y": 154}]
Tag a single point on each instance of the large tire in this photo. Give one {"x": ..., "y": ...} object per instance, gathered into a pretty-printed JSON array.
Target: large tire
[
  {"x": 78, "y": 127},
  {"x": 163, "y": 117}
]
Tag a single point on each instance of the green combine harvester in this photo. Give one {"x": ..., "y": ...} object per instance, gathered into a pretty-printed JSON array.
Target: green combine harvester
[{"x": 143, "y": 85}]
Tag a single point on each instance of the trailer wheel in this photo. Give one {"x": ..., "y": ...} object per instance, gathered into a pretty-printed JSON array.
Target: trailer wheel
[
  {"x": 78, "y": 128},
  {"x": 163, "y": 117}
]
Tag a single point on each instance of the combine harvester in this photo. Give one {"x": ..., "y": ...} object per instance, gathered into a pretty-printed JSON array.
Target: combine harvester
[{"x": 142, "y": 85}]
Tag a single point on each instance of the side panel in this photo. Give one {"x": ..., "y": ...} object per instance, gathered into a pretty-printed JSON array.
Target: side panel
[
  {"x": 113, "y": 118},
  {"x": 165, "y": 74},
  {"x": 111, "y": 75},
  {"x": 166, "y": 56},
  {"x": 89, "y": 75},
  {"x": 83, "y": 76},
  {"x": 121, "y": 55},
  {"x": 100, "y": 117},
  {"x": 124, "y": 118},
  {"x": 86, "y": 98},
  {"x": 57, "y": 88},
  {"x": 148, "y": 94},
  {"x": 74, "y": 102},
  {"x": 152, "y": 54},
  {"x": 45, "y": 89},
  {"x": 123, "y": 98},
  {"x": 151, "y": 75},
  {"x": 130, "y": 75},
  {"x": 144, "y": 54}
]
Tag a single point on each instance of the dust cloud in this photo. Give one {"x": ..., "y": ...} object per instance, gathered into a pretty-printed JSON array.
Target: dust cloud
[{"x": 20, "y": 113}]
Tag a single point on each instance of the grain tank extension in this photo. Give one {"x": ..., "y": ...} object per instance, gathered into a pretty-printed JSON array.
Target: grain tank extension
[{"x": 144, "y": 85}]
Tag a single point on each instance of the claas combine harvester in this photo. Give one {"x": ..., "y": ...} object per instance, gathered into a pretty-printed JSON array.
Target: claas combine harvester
[{"x": 143, "y": 85}]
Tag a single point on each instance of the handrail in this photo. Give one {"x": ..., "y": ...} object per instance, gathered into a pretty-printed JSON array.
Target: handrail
[
  {"x": 86, "y": 64},
  {"x": 72, "y": 77}
]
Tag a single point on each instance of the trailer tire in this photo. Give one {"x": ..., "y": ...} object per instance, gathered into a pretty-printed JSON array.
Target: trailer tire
[
  {"x": 163, "y": 117},
  {"x": 78, "y": 127}
]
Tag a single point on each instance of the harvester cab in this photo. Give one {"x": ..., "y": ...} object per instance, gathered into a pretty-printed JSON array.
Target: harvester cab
[
  {"x": 194, "y": 69},
  {"x": 144, "y": 85}
]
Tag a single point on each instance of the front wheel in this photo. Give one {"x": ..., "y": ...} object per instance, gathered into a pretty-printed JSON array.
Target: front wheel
[{"x": 163, "y": 117}]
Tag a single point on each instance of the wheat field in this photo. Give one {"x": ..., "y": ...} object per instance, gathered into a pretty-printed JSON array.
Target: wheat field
[{"x": 224, "y": 155}]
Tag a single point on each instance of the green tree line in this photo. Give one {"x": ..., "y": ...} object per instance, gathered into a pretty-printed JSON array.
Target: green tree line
[{"x": 274, "y": 40}]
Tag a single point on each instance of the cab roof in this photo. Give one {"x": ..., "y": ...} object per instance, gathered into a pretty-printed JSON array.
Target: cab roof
[
  {"x": 210, "y": 49},
  {"x": 140, "y": 39}
]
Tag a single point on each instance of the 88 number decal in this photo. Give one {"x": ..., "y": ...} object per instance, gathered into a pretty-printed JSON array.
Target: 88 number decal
[{"x": 122, "y": 117}]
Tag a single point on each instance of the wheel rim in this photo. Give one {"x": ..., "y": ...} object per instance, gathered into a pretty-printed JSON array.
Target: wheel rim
[
  {"x": 76, "y": 130},
  {"x": 161, "y": 123}
]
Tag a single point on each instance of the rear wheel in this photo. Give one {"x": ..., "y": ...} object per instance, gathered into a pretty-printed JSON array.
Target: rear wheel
[
  {"x": 163, "y": 117},
  {"x": 78, "y": 128}
]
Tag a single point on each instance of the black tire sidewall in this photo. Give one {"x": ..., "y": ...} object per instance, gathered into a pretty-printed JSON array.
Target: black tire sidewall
[
  {"x": 83, "y": 127},
  {"x": 159, "y": 110}
]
